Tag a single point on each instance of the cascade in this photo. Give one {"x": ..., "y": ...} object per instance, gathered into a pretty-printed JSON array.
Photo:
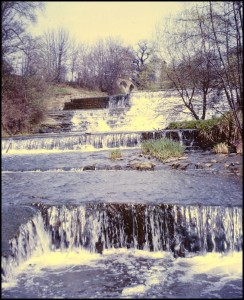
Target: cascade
[
  {"x": 82, "y": 141},
  {"x": 123, "y": 220},
  {"x": 141, "y": 110},
  {"x": 170, "y": 228}
]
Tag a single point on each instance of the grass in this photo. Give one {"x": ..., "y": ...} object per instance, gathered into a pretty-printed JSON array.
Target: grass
[
  {"x": 162, "y": 149},
  {"x": 115, "y": 154},
  {"x": 221, "y": 148}
]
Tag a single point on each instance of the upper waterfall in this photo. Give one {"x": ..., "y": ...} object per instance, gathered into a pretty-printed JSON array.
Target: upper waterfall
[{"x": 139, "y": 111}]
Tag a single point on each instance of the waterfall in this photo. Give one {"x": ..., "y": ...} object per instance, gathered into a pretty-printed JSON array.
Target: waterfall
[
  {"x": 119, "y": 101},
  {"x": 141, "y": 110},
  {"x": 171, "y": 228},
  {"x": 90, "y": 142}
]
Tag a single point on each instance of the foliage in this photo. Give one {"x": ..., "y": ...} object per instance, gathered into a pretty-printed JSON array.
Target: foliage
[
  {"x": 115, "y": 154},
  {"x": 22, "y": 103},
  {"x": 213, "y": 131},
  {"x": 221, "y": 148},
  {"x": 162, "y": 149}
]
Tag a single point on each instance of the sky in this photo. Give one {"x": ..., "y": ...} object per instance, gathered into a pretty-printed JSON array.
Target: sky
[{"x": 89, "y": 21}]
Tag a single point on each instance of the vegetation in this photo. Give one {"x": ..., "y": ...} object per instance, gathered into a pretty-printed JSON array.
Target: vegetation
[
  {"x": 213, "y": 131},
  {"x": 162, "y": 149},
  {"x": 22, "y": 104},
  {"x": 199, "y": 54},
  {"x": 115, "y": 154},
  {"x": 221, "y": 148},
  {"x": 202, "y": 49}
]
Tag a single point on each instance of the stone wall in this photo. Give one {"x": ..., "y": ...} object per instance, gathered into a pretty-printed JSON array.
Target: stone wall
[{"x": 87, "y": 103}]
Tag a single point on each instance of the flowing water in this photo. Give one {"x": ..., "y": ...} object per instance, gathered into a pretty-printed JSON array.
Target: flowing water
[
  {"x": 142, "y": 111},
  {"x": 71, "y": 233}
]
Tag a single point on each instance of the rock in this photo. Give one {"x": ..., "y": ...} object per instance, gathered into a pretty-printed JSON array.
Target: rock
[
  {"x": 182, "y": 166},
  {"x": 118, "y": 158},
  {"x": 238, "y": 147},
  {"x": 89, "y": 168},
  {"x": 182, "y": 157},
  {"x": 175, "y": 165},
  {"x": 235, "y": 169},
  {"x": 103, "y": 167},
  {"x": 213, "y": 161},
  {"x": 170, "y": 159},
  {"x": 199, "y": 166},
  {"x": 117, "y": 167},
  {"x": 142, "y": 166},
  {"x": 208, "y": 165},
  {"x": 99, "y": 246}
]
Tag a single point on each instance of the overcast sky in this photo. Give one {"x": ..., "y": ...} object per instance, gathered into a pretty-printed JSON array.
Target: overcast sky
[{"x": 88, "y": 21}]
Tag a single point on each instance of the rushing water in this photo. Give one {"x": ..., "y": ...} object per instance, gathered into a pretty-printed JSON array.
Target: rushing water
[
  {"x": 157, "y": 234},
  {"x": 71, "y": 233},
  {"x": 91, "y": 142},
  {"x": 142, "y": 111}
]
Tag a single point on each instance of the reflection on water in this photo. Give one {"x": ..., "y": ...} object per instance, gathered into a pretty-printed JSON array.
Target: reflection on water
[{"x": 126, "y": 273}]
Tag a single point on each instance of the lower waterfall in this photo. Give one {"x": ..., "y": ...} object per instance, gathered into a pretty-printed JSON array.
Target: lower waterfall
[
  {"x": 181, "y": 230},
  {"x": 93, "y": 141}
]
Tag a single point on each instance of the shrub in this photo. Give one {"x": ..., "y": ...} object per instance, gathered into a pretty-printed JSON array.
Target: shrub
[
  {"x": 22, "y": 103},
  {"x": 162, "y": 148},
  {"x": 212, "y": 131},
  {"x": 221, "y": 148},
  {"x": 115, "y": 154}
]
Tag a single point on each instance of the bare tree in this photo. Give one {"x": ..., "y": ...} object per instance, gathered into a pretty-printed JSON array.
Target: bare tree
[
  {"x": 197, "y": 59},
  {"x": 15, "y": 17},
  {"x": 100, "y": 66},
  {"x": 55, "y": 45},
  {"x": 227, "y": 35}
]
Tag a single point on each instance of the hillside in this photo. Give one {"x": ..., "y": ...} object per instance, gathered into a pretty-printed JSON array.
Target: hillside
[{"x": 60, "y": 93}]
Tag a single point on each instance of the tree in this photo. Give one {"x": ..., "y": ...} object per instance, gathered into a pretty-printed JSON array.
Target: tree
[
  {"x": 31, "y": 56},
  {"x": 100, "y": 66},
  {"x": 15, "y": 17},
  {"x": 55, "y": 46},
  {"x": 21, "y": 108},
  {"x": 201, "y": 56},
  {"x": 227, "y": 35}
]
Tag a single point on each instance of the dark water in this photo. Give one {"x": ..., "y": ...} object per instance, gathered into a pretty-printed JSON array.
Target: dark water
[{"x": 58, "y": 179}]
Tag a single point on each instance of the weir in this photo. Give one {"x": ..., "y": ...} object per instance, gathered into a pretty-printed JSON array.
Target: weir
[
  {"x": 98, "y": 102},
  {"x": 146, "y": 230},
  {"x": 172, "y": 228},
  {"x": 80, "y": 141}
]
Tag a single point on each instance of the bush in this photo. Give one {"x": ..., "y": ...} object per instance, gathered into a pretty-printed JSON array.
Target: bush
[
  {"x": 115, "y": 154},
  {"x": 221, "y": 148},
  {"x": 22, "y": 103},
  {"x": 213, "y": 131},
  {"x": 162, "y": 148}
]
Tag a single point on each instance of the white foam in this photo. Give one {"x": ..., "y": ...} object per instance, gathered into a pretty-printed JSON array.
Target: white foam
[{"x": 135, "y": 290}]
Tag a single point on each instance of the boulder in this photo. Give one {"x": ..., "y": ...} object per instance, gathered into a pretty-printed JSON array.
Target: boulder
[
  {"x": 89, "y": 168},
  {"x": 142, "y": 166},
  {"x": 181, "y": 166}
]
